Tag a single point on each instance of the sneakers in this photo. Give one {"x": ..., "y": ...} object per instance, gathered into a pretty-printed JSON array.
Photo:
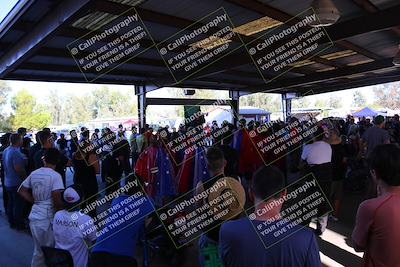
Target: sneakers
[{"x": 318, "y": 232}]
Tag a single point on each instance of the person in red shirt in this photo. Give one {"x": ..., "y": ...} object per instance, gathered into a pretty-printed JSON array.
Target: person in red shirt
[{"x": 376, "y": 231}]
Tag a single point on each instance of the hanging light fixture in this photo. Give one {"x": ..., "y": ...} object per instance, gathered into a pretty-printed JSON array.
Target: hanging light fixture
[
  {"x": 326, "y": 12},
  {"x": 396, "y": 59}
]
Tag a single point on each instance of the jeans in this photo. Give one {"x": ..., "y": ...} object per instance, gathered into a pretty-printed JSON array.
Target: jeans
[
  {"x": 3, "y": 187},
  {"x": 15, "y": 208},
  {"x": 135, "y": 157}
]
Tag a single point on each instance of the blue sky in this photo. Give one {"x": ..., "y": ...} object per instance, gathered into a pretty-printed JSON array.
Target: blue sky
[{"x": 5, "y": 7}]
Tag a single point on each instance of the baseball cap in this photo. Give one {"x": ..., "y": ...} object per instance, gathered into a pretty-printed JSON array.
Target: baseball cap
[
  {"x": 72, "y": 195},
  {"x": 236, "y": 191}
]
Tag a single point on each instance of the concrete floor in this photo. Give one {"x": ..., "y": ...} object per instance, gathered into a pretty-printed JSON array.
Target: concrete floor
[
  {"x": 335, "y": 244},
  {"x": 335, "y": 250}
]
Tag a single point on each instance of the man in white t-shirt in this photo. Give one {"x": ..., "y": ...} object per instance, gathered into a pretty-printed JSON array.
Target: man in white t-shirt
[
  {"x": 73, "y": 230},
  {"x": 46, "y": 185},
  {"x": 318, "y": 156}
]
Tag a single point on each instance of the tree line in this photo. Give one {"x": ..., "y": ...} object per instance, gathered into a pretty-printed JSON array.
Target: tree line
[
  {"x": 56, "y": 109},
  {"x": 104, "y": 102}
]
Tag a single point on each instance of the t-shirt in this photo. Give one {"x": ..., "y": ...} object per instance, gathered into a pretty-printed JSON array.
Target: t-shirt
[
  {"x": 72, "y": 234},
  {"x": 72, "y": 145},
  {"x": 317, "y": 153},
  {"x": 375, "y": 136},
  {"x": 11, "y": 158},
  {"x": 122, "y": 239},
  {"x": 141, "y": 143},
  {"x": 2, "y": 148},
  {"x": 377, "y": 230},
  {"x": 43, "y": 181},
  {"x": 241, "y": 246},
  {"x": 133, "y": 144}
]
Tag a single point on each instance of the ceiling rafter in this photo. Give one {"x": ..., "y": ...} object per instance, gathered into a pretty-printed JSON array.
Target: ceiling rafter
[
  {"x": 284, "y": 17},
  {"x": 371, "y": 8}
]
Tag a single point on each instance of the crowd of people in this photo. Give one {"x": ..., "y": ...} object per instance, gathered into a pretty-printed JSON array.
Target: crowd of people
[{"x": 169, "y": 163}]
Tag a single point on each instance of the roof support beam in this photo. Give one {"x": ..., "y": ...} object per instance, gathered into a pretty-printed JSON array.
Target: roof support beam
[
  {"x": 387, "y": 19},
  {"x": 124, "y": 74},
  {"x": 63, "y": 13},
  {"x": 283, "y": 17},
  {"x": 186, "y": 101},
  {"x": 356, "y": 84},
  {"x": 377, "y": 21},
  {"x": 371, "y": 8},
  {"x": 324, "y": 76}
]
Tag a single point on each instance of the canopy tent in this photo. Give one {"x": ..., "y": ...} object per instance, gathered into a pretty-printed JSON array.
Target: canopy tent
[
  {"x": 365, "y": 112},
  {"x": 130, "y": 122}
]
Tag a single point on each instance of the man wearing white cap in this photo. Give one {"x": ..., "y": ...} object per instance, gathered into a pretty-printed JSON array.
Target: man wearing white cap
[
  {"x": 73, "y": 230},
  {"x": 46, "y": 185}
]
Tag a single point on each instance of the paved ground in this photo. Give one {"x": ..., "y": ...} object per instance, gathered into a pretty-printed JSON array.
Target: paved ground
[
  {"x": 16, "y": 247},
  {"x": 335, "y": 244}
]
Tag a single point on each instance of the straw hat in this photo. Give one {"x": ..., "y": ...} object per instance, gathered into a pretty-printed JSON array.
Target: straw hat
[{"x": 236, "y": 191}]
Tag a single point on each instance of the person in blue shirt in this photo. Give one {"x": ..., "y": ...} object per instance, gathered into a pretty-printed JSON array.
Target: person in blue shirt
[
  {"x": 240, "y": 245},
  {"x": 116, "y": 241},
  {"x": 14, "y": 170}
]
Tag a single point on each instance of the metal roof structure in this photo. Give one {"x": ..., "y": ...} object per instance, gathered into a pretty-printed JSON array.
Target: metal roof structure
[{"x": 35, "y": 44}]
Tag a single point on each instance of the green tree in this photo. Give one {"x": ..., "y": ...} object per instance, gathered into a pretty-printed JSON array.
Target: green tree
[
  {"x": 78, "y": 109},
  {"x": 359, "y": 99},
  {"x": 334, "y": 101},
  {"x": 55, "y": 107},
  {"x": 301, "y": 102},
  {"x": 321, "y": 103},
  {"x": 5, "y": 124},
  {"x": 268, "y": 102},
  {"x": 112, "y": 103},
  {"x": 4, "y": 91},
  {"x": 388, "y": 95},
  {"x": 27, "y": 113}
]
